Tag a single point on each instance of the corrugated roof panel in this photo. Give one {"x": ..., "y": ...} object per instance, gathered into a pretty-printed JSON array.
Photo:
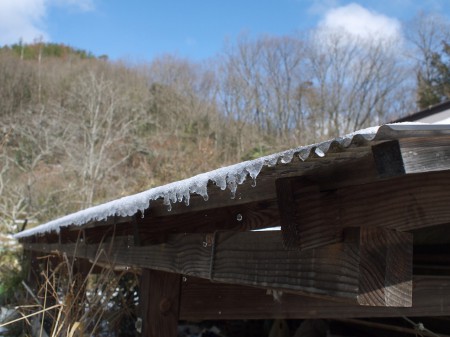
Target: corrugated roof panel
[{"x": 230, "y": 177}]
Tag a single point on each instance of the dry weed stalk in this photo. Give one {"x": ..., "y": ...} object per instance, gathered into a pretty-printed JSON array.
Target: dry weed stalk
[{"x": 71, "y": 303}]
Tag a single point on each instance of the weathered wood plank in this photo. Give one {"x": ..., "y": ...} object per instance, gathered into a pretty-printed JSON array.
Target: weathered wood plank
[
  {"x": 252, "y": 258},
  {"x": 386, "y": 262},
  {"x": 159, "y": 301},
  {"x": 204, "y": 300},
  {"x": 412, "y": 155},
  {"x": 244, "y": 217},
  {"x": 151, "y": 228},
  {"x": 257, "y": 259},
  {"x": 317, "y": 216},
  {"x": 425, "y": 154},
  {"x": 405, "y": 203},
  {"x": 305, "y": 216}
]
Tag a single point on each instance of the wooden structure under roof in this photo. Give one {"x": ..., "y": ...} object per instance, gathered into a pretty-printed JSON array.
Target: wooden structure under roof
[{"x": 365, "y": 224}]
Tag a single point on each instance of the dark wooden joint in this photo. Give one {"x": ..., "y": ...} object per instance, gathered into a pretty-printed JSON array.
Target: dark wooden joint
[
  {"x": 306, "y": 219},
  {"x": 388, "y": 159}
]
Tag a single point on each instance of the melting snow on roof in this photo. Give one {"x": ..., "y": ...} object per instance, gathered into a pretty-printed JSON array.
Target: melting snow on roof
[{"x": 227, "y": 177}]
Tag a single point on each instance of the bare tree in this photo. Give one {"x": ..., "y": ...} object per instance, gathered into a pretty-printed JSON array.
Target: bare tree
[
  {"x": 31, "y": 176},
  {"x": 283, "y": 64},
  {"x": 354, "y": 81},
  {"x": 182, "y": 92},
  {"x": 102, "y": 117},
  {"x": 260, "y": 81}
]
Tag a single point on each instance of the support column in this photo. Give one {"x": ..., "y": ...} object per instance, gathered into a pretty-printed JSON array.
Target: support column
[{"x": 159, "y": 301}]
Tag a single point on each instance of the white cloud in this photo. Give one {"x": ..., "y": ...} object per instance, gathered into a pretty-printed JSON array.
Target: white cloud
[
  {"x": 22, "y": 19},
  {"x": 361, "y": 22},
  {"x": 25, "y": 19}
]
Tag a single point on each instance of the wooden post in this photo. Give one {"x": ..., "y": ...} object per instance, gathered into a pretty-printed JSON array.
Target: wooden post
[
  {"x": 159, "y": 300},
  {"x": 33, "y": 270}
]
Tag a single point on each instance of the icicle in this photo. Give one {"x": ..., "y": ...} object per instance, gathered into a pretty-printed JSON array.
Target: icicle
[
  {"x": 271, "y": 161},
  {"x": 303, "y": 154},
  {"x": 187, "y": 196},
  {"x": 241, "y": 176},
  {"x": 254, "y": 169},
  {"x": 142, "y": 210},
  {"x": 231, "y": 183},
  {"x": 287, "y": 157},
  {"x": 319, "y": 152},
  {"x": 200, "y": 188},
  {"x": 220, "y": 181},
  {"x": 167, "y": 202}
]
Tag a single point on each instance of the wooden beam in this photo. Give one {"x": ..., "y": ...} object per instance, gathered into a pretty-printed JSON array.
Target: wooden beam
[
  {"x": 205, "y": 300},
  {"x": 312, "y": 215},
  {"x": 339, "y": 271},
  {"x": 412, "y": 155},
  {"x": 421, "y": 154},
  {"x": 243, "y": 217},
  {"x": 159, "y": 301},
  {"x": 385, "y": 266},
  {"x": 153, "y": 229},
  {"x": 388, "y": 159},
  {"x": 415, "y": 201},
  {"x": 405, "y": 203},
  {"x": 305, "y": 215}
]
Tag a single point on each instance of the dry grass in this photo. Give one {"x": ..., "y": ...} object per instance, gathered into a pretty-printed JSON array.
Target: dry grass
[{"x": 72, "y": 302}]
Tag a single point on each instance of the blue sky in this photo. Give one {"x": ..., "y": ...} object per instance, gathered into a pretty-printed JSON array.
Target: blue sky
[{"x": 197, "y": 29}]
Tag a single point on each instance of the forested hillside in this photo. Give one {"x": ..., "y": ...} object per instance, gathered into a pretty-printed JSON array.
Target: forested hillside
[{"x": 77, "y": 129}]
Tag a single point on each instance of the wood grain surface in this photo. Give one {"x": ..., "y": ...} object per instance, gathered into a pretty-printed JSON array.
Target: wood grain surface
[
  {"x": 202, "y": 299},
  {"x": 259, "y": 259}
]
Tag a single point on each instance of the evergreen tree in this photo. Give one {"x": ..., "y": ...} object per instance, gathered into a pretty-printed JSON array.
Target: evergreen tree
[{"x": 435, "y": 89}]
